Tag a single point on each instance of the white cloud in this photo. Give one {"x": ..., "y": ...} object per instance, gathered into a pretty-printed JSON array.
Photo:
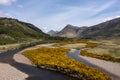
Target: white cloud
[
  {"x": 77, "y": 15},
  {"x": 83, "y": 15},
  {"x": 6, "y": 2},
  {"x": 102, "y": 18}
]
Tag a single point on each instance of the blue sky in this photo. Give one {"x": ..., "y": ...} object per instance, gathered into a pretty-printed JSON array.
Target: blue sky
[{"x": 56, "y": 14}]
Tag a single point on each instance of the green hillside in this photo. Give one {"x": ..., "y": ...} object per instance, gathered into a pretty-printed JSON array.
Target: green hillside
[{"x": 13, "y": 31}]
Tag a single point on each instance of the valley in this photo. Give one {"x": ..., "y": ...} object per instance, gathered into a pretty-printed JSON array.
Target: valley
[
  {"x": 32, "y": 54},
  {"x": 59, "y": 39}
]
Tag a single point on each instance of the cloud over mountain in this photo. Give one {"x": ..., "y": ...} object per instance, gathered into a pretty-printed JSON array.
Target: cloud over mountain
[{"x": 6, "y": 2}]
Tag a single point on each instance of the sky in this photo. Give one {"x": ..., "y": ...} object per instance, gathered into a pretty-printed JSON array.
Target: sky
[{"x": 56, "y": 14}]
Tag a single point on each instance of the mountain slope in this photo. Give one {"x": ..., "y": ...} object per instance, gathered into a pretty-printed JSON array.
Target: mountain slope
[
  {"x": 70, "y": 31},
  {"x": 13, "y": 30},
  {"x": 106, "y": 29},
  {"x": 52, "y": 33}
]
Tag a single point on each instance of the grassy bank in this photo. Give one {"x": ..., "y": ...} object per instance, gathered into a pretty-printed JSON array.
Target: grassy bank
[
  {"x": 108, "y": 50},
  {"x": 9, "y": 47},
  {"x": 5, "y": 48},
  {"x": 55, "y": 59},
  {"x": 106, "y": 57},
  {"x": 104, "y": 49}
]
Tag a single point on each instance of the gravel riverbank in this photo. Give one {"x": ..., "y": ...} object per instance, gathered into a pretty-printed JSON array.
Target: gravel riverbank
[
  {"x": 7, "y": 72},
  {"x": 15, "y": 66},
  {"x": 110, "y": 68}
]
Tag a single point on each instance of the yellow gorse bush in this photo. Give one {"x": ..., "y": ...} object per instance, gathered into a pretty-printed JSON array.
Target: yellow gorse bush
[
  {"x": 88, "y": 43},
  {"x": 106, "y": 57},
  {"x": 56, "y": 58}
]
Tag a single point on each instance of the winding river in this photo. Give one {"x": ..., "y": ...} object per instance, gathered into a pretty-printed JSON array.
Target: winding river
[
  {"x": 42, "y": 74},
  {"x": 33, "y": 72},
  {"x": 75, "y": 55}
]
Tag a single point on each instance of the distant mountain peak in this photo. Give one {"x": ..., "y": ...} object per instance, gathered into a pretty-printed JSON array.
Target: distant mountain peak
[
  {"x": 106, "y": 29},
  {"x": 70, "y": 26},
  {"x": 52, "y": 33},
  {"x": 68, "y": 31}
]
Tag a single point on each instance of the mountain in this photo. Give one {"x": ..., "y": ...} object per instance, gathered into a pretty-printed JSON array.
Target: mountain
[
  {"x": 70, "y": 31},
  {"x": 13, "y": 30},
  {"x": 108, "y": 29},
  {"x": 52, "y": 33}
]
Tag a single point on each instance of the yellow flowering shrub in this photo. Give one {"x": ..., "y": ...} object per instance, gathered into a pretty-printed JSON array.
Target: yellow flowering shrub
[
  {"x": 88, "y": 43},
  {"x": 106, "y": 57},
  {"x": 55, "y": 59}
]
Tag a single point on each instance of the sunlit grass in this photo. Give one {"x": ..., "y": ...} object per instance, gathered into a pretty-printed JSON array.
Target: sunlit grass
[
  {"x": 106, "y": 57},
  {"x": 87, "y": 44}
]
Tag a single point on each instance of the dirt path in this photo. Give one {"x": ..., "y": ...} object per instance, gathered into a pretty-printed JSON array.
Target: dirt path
[{"x": 110, "y": 68}]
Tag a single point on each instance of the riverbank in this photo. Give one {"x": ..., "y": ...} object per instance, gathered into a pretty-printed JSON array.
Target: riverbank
[
  {"x": 24, "y": 66},
  {"x": 55, "y": 59},
  {"x": 24, "y": 69},
  {"x": 7, "y": 72},
  {"x": 110, "y": 68}
]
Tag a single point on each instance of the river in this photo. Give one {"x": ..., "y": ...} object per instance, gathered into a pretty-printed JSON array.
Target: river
[
  {"x": 75, "y": 55},
  {"x": 33, "y": 72},
  {"x": 42, "y": 74}
]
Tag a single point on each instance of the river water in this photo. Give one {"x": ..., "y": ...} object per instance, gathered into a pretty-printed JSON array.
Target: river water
[
  {"x": 75, "y": 55},
  {"x": 33, "y": 72}
]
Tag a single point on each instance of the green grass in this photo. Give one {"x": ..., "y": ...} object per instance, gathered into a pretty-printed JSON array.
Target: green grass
[{"x": 4, "y": 41}]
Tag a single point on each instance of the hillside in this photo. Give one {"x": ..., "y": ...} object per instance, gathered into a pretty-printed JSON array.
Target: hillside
[
  {"x": 108, "y": 29},
  {"x": 52, "y": 33},
  {"x": 13, "y": 30},
  {"x": 70, "y": 31}
]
